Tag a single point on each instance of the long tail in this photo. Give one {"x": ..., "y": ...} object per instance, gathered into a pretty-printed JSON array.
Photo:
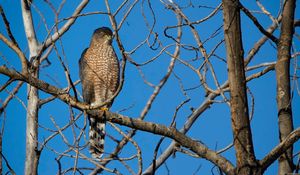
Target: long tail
[{"x": 96, "y": 137}]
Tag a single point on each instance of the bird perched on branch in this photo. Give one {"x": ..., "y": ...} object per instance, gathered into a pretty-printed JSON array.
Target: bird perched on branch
[{"x": 99, "y": 75}]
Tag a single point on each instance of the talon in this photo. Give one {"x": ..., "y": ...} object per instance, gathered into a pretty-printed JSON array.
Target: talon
[{"x": 104, "y": 109}]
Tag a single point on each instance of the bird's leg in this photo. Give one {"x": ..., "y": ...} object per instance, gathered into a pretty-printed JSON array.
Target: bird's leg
[{"x": 102, "y": 109}]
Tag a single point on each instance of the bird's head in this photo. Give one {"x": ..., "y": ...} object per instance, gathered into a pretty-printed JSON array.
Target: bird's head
[{"x": 103, "y": 35}]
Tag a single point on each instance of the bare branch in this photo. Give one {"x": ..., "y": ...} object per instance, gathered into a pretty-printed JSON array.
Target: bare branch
[
  {"x": 297, "y": 23},
  {"x": 16, "y": 49},
  {"x": 261, "y": 41},
  {"x": 171, "y": 132},
  {"x": 258, "y": 25},
  {"x": 6, "y": 162},
  {"x": 283, "y": 85},
  {"x": 29, "y": 28},
  {"x": 66, "y": 26},
  {"x": 59, "y": 93},
  {"x": 11, "y": 95},
  {"x": 7, "y": 26},
  {"x": 240, "y": 124},
  {"x": 280, "y": 149}
]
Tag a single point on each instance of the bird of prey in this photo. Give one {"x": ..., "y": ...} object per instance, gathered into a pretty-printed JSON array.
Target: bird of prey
[{"x": 99, "y": 75}]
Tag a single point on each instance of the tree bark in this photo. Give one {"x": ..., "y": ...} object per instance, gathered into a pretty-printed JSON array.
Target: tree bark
[
  {"x": 32, "y": 153},
  {"x": 285, "y": 119},
  {"x": 238, "y": 96}
]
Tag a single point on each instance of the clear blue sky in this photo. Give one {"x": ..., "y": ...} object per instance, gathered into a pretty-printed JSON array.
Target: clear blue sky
[{"x": 213, "y": 127}]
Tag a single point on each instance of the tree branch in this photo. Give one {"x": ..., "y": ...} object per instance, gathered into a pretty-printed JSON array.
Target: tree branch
[
  {"x": 297, "y": 23},
  {"x": 59, "y": 93},
  {"x": 170, "y": 132},
  {"x": 280, "y": 149},
  {"x": 66, "y": 26},
  {"x": 245, "y": 157},
  {"x": 17, "y": 50},
  {"x": 29, "y": 28},
  {"x": 283, "y": 84},
  {"x": 32, "y": 154},
  {"x": 261, "y": 41},
  {"x": 7, "y": 26},
  {"x": 257, "y": 24}
]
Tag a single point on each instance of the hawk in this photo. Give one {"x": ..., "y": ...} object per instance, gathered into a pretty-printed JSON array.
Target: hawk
[{"x": 99, "y": 75}]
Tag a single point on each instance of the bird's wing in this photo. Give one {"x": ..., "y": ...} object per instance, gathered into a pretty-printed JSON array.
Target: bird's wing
[{"x": 87, "y": 85}]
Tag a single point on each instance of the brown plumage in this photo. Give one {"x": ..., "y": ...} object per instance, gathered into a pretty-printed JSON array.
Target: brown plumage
[{"x": 99, "y": 74}]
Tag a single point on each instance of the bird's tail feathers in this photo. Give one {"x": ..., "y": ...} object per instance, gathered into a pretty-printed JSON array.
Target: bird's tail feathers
[{"x": 96, "y": 137}]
